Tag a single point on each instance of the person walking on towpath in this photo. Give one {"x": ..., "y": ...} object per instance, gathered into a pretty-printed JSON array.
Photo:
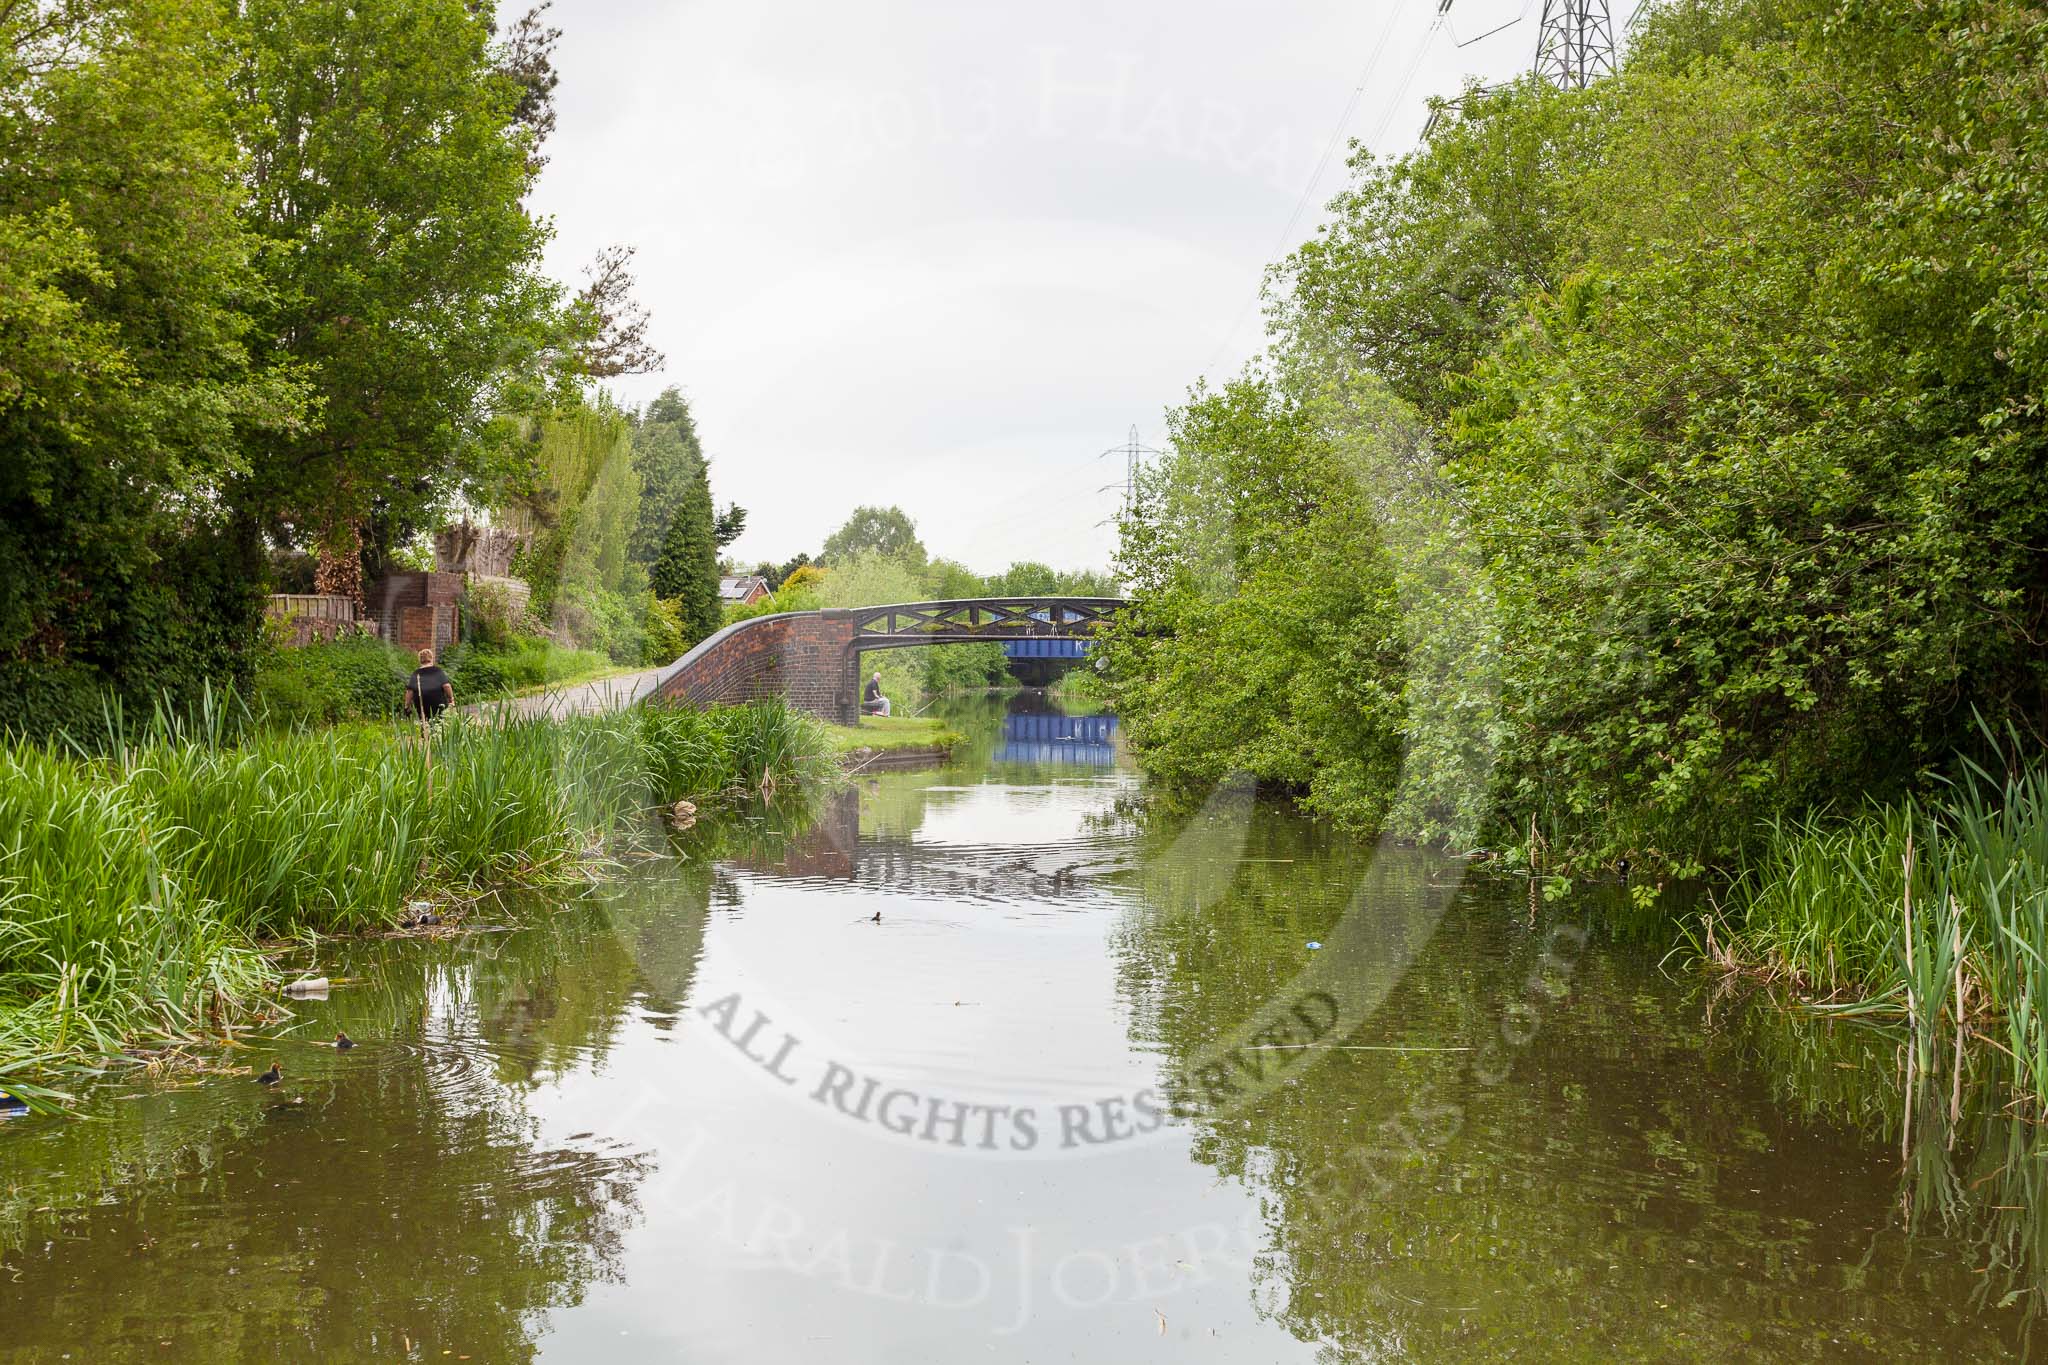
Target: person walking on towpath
[{"x": 428, "y": 692}]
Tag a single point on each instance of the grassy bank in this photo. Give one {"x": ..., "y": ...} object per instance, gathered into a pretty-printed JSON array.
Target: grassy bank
[
  {"x": 136, "y": 884},
  {"x": 1933, "y": 912},
  {"x": 364, "y": 678},
  {"x": 888, "y": 734},
  {"x": 1080, "y": 692}
]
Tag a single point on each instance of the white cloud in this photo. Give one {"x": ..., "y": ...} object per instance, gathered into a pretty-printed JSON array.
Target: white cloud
[{"x": 943, "y": 255}]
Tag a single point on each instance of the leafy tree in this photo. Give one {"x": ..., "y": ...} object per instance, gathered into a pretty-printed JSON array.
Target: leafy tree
[
  {"x": 729, "y": 524},
  {"x": 128, "y": 391},
  {"x": 778, "y": 574},
  {"x": 1024, "y": 579},
  {"x": 578, "y": 502},
  {"x": 886, "y": 531},
  {"x": 387, "y": 173},
  {"x": 1428, "y": 255},
  {"x": 947, "y": 580},
  {"x": 1267, "y": 620},
  {"x": 1729, "y": 367},
  {"x": 527, "y": 56}
]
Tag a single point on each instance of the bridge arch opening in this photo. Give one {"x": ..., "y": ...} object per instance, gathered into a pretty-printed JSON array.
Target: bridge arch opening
[{"x": 811, "y": 659}]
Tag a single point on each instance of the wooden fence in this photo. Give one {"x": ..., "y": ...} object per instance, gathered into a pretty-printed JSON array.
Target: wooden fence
[{"x": 311, "y": 616}]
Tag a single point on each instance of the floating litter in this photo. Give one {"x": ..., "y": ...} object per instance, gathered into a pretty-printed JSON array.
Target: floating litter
[
  {"x": 1313, "y": 945},
  {"x": 307, "y": 985}
]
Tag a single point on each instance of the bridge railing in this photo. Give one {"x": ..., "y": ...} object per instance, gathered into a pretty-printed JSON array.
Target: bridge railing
[
  {"x": 993, "y": 618},
  {"x": 811, "y": 659}
]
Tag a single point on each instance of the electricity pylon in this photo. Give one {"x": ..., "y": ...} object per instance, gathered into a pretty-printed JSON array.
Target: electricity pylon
[
  {"x": 1576, "y": 43},
  {"x": 1134, "y": 452}
]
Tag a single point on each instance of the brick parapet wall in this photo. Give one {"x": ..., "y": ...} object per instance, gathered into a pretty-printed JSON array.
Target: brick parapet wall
[
  {"x": 417, "y": 610},
  {"x": 804, "y": 658}
]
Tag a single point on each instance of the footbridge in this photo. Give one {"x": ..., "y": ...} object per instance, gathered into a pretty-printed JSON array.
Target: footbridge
[{"x": 811, "y": 659}]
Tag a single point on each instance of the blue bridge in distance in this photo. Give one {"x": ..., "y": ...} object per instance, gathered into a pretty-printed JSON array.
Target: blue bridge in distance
[
  {"x": 1038, "y": 662},
  {"x": 1081, "y": 741}
]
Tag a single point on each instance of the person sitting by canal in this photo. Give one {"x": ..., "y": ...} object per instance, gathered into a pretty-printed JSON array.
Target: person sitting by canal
[
  {"x": 874, "y": 703},
  {"x": 428, "y": 691}
]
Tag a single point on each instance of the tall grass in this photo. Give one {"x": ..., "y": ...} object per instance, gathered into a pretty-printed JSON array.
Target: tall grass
[
  {"x": 136, "y": 879},
  {"x": 1934, "y": 912}
]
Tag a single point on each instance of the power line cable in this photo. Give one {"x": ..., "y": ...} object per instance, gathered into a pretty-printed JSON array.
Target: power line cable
[
  {"x": 1394, "y": 104},
  {"x": 1315, "y": 177}
]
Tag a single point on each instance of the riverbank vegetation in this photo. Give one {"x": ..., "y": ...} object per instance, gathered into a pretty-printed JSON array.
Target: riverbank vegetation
[
  {"x": 1931, "y": 910},
  {"x": 363, "y": 348},
  {"x": 893, "y": 734},
  {"x": 1633, "y": 467},
  {"x": 362, "y": 678},
  {"x": 1654, "y": 478},
  {"x": 139, "y": 881}
]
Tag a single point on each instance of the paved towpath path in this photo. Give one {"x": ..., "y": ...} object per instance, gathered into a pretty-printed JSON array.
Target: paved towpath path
[{"x": 605, "y": 694}]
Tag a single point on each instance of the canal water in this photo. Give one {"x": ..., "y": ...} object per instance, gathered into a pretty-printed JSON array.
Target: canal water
[{"x": 995, "y": 1062}]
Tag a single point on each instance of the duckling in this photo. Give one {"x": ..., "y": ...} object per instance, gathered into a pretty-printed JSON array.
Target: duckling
[
  {"x": 342, "y": 1042},
  {"x": 272, "y": 1076}
]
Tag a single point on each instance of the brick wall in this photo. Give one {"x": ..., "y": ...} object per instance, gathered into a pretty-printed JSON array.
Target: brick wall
[
  {"x": 417, "y": 610},
  {"x": 807, "y": 660}
]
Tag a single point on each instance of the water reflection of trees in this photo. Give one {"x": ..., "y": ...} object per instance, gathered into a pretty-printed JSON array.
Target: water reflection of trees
[
  {"x": 409, "y": 1195},
  {"x": 1972, "y": 1171},
  {"x": 1633, "y": 1188}
]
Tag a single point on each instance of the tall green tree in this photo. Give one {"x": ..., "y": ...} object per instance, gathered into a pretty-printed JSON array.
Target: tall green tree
[
  {"x": 387, "y": 173},
  {"x": 885, "y": 530},
  {"x": 669, "y": 456},
  {"x": 129, "y": 385},
  {"x": 687, "y": 570},
  {"x": 1732, "y": 365},
  {"x": 577, "y": 500}
]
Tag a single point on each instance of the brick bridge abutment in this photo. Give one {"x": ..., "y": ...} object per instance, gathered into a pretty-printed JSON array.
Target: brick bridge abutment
[{"x": 811, "y": 659}]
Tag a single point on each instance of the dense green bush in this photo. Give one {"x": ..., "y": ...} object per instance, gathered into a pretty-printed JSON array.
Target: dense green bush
[
  {"x": 487, "y": 614},
  {"x": 51, "y": 699},
  {"x": 1727, "y": 371},
  {"x": 480, "y": 672},
  {"x": 667, "y": 635},
  {"x": 950, "y": 667},
  {"x": 354, "y": 678}
]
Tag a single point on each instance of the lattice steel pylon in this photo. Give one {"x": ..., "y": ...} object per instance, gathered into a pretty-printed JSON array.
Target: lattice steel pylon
[
  {"x": 1576, "y": 44},
  {"x": 1134, "y": 452}
]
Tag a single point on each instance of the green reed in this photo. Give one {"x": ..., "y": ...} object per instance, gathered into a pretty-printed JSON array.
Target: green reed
[
  {"x": 1933, "y": 912},
  {"x": 136, "y": 878}
]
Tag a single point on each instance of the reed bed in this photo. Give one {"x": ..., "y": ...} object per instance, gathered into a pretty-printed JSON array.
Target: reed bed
[
  {"x": 138, "y": 878},
  {"x": 1929, "y": 912}
]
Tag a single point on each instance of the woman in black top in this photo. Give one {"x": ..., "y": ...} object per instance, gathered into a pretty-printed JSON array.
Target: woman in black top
[{"x": 428, "y": 691}]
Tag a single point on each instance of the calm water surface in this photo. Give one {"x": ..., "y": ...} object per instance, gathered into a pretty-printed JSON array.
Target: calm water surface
[{"x": 1072, "y": 1098}]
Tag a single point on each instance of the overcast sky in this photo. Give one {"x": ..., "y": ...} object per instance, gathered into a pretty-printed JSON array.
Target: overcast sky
[{"x": 943, "y": 255}]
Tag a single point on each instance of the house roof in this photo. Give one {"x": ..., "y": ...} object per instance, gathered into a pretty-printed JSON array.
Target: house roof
[{"x": 739, "y": 587}]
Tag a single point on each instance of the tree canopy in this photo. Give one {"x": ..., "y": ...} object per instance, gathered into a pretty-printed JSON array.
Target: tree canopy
[
  {"x": 884, "y": 530},
  {"x": 1728, "y": 370},
  {"x": 134, "y": 375},
  {"x": 387, "y": 174}
]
